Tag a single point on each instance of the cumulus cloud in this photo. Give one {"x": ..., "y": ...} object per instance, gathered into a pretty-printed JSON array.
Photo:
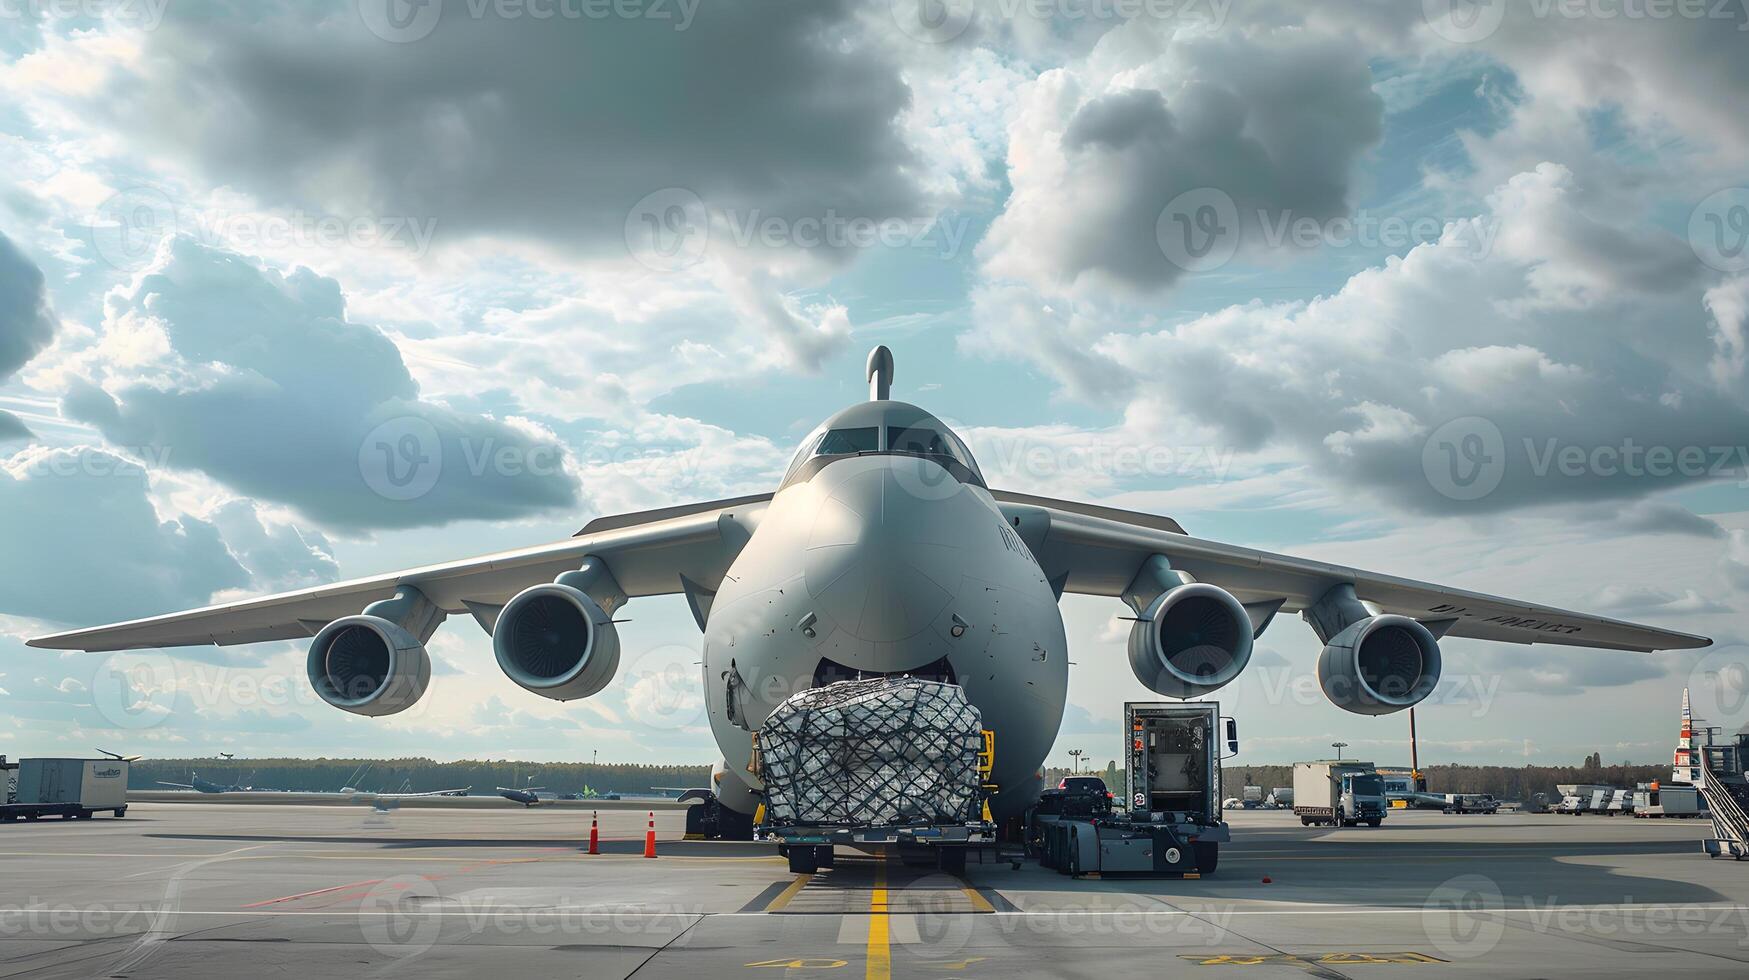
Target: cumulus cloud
[
  {"x": 1562, "y": 673},
  {"x": 26, "y": 324},
  {"x": 1097, "y": 151},
  {"x": 258, "y": 379},
  {"x": 551, "y": 128},
  {"x": 87, "y": 546},
  {"x": 1447, "y": 380}
]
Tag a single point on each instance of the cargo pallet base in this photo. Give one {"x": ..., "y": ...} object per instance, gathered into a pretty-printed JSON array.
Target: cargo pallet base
[
  {"x": 949, "y": 849},
  {"x": 10, "y": 812}
]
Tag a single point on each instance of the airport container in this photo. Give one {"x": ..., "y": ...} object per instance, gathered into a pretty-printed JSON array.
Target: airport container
[
  {"x": 69, "y": 788},
  {"x": 10, "y": 769}
]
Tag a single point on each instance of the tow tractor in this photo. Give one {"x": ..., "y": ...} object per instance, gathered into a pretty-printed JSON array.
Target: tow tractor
[{"x": 1172, "y": 826}]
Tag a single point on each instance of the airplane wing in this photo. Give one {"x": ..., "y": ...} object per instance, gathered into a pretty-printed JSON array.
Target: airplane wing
[
  {"x": 656, "y": 553},
  {"x": 1093, "y": 550}
]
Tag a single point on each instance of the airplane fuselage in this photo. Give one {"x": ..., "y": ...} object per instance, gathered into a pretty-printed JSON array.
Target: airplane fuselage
[{"x": 888, "y": 564}]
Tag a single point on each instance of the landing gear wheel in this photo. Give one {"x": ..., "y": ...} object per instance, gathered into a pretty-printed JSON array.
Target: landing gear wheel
[
  {"x": 951, "y": 860},
  {"x": 1375, "y": 822},
  {"x": 121, "y": 812},
  {"x": 803, "y": 861},
  {"x": 1208, "y": 856}
]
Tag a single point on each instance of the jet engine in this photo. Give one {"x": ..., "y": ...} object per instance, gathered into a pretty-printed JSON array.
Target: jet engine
[
  {"x": 1192, "y": 639},
  {"x": 368, "y": 665},
  {"x": 557, "y": 641},
  {"x": 1379, "y": 665}
]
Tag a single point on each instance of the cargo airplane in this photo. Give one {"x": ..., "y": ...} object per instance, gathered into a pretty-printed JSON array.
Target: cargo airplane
[{"x": 882, "y": 551}]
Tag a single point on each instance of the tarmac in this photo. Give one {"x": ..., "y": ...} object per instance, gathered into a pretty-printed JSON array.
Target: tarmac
[{"x": 218, "y": 889}]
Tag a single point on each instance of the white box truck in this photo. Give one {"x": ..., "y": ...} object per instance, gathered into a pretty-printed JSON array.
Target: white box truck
[
  {"x": 1341, "y": 793},
  {"x": 68, "y": 788}
]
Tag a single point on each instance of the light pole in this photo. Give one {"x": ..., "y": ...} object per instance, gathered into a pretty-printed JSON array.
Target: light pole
[
  {"x": 1076, "y": 755},
  {"x": 1339, "y": 746}
]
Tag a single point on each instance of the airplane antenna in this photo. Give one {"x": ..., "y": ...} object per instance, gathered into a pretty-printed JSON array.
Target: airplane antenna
[{"x": 880, "y": 374}]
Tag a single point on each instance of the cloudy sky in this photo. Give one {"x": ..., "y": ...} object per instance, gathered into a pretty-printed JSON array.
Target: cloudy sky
[{"x": 1455, "y": 292}]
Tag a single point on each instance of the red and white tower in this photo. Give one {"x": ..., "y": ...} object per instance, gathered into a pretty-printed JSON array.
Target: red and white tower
[{"x": 1686, "y": 768}]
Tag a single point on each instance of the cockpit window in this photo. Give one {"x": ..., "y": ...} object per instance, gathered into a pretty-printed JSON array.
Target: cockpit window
[
  {"x": 843, "y": 442},
  {"x": 924, "y": 441}
]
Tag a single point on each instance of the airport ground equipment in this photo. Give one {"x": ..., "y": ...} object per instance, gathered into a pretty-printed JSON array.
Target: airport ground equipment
[
  {"x": 1470, "y": 803},
  {"x": 1338, "y": 792},
  {"x": 67, "y": 788},
  {"x": 896, "y": 762},
  {"x": 1172, "y": 825},
  {"x": 1724, "y": 784}
]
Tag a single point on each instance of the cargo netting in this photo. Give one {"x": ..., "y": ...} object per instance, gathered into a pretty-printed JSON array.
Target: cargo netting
[{"x": 891, "y": 751}]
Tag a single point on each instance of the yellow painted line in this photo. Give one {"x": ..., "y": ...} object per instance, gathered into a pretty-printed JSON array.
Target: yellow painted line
[
  {"x": 880, "y": 951},
  {"x": 979, "y": 902},
  {"x": 783, "y": 897}
]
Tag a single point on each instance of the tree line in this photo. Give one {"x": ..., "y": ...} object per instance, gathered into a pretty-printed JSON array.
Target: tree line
[{"x": 416, "y": 775}]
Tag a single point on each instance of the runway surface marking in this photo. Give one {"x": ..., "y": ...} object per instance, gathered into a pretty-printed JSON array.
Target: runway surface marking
[
  {"x": 1066, "y": 913},
  {"x": 1322, "y": 959},
  {"x": 880, "y": 952},
  {"x": 318, "y": 891},
  {"x": 783, "y": 898}
]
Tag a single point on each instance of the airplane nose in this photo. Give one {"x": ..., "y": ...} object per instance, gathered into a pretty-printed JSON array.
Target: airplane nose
[{"x": 883, "y": 560}]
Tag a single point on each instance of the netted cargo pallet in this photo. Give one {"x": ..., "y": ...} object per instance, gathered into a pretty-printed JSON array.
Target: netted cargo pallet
[{"x": 891, "y": 751}]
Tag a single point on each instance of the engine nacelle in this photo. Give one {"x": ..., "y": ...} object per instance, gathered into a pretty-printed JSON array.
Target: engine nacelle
[
  {"x": 1193, "y": 639},
  {"x": 368, "y": 665},
  {"x": 556, "y": 641},
  {"x": 1379, "y": 665}
]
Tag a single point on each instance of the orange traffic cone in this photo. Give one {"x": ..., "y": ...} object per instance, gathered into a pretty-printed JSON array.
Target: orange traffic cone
[
  {"x": 594, "y": 834},
  {"x": 650, "y": 837}
]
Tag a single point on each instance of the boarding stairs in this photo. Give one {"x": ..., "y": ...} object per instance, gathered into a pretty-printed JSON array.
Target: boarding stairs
[{"x": 1726, "y": 794}]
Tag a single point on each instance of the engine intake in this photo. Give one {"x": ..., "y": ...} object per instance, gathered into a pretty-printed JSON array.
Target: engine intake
[
  {"x": 368, "y": 665},
  {"x": 1193, "y": 639},
  {"x": 1379, "y": 665},
  {"x": 556, "y": 641}
]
